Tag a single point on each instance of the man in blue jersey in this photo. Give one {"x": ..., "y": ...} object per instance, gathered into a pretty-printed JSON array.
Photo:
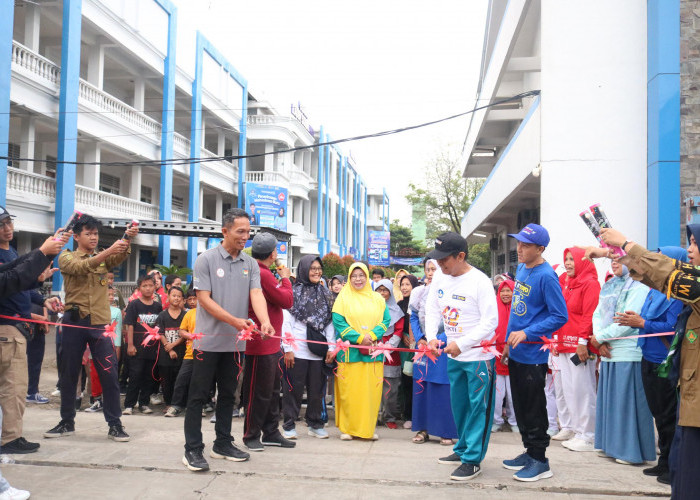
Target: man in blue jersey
[{"x": 537, "y": 309}]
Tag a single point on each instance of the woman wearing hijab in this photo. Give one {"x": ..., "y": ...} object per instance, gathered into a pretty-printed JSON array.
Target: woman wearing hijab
[
  {"x": 576, "y": 364},
  {"x": 392, "y": 368},
  {"x": 408, "y": 283},
  {"x": 336, "y": 284},
  {"x": 658, "y": 315},
  {"x": 432, "y": 410},
  {"x": 624, "y": 427},
  {"x": 504, "y": 297},
  {"x": 397, "y": 283},
  {"x": 361, "y": 317},
  {"x": 308, "y": 319}
]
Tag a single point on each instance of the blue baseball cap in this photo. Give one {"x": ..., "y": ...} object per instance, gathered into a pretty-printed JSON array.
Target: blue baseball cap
[{"x": 533, "y": 233}]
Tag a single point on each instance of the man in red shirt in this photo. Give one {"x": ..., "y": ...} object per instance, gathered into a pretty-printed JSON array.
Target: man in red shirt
[{"x": 262, "y": 375}]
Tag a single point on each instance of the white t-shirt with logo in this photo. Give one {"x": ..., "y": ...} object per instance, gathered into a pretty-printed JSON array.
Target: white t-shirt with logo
[{"x": 467, "y": 306}]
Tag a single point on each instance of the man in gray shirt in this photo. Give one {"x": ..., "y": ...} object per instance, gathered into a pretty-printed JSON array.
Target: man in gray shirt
[{"x": 226, "y": 279}]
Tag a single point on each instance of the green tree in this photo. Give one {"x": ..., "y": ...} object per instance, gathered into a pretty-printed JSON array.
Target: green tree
[
  {"x": 402, "y": 237},
  {"x": 446, "y": 194},
  {"x": 480, "y": 257}
]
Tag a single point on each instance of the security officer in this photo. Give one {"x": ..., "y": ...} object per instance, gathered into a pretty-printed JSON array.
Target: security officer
[{"x": 87, "y": 314}]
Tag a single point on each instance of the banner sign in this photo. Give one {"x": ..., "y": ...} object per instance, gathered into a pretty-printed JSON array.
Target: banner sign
[
  {"x": 378, "y": 248},
  {"x": 267, "y": 205},
  {"x": 282, "y": 249},
  {"x": 406, "y": 261}
]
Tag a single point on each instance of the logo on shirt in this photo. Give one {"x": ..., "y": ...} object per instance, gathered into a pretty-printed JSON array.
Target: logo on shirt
[
  {"x": 440, "y": 293},
  {"x": 245, "y": 273},
  {"x": 451, "y": 316},
  {"x": 220, "y": 273},
  {"x": 459, "y": 297},
  {"x": 691, "y": 336},
  {"x": 149, "y": 319}
]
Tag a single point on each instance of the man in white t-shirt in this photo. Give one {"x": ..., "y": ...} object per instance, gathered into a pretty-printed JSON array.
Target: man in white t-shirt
[{"x": 462, "y": 296}]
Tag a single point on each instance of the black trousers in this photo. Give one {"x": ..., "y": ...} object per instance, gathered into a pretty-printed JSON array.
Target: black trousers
[
  {"x": 169, "y": 375},
  {"x": 261, "y": 390},
  {"x": 662, "y": 401},
  {"x": 124, "y": 368},
  {"x": 407, "y": 394},
  {"x": 103, "y": 356},
  {"x": 685, "y": 467},
  {"x": 208, "y": 366},
  {"x": 527, "y": 384},
  {"x": 35, "y": 357},
  {"x": 182, "y": 384},
  {"x": 304, "y": 374},
  {"x": 140, "y": 382}
]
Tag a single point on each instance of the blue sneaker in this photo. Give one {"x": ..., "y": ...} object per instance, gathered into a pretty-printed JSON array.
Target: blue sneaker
[
  {"x": 319, "y": 433},
  {"x": 518, "y": 462},
  {"x": 534, "y": 471},
  {"x": 37, "y": 399}
]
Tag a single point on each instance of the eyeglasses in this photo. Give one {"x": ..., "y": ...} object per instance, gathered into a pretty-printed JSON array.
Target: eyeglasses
[
  {"x": 7, "y": 223},
  {"x": 316, "y": 269}
]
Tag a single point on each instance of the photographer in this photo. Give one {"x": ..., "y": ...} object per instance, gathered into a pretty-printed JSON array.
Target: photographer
[{"x": 87, "y": 313}]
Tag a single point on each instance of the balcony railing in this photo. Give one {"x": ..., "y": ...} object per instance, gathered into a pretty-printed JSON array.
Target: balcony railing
[
  {"x": 114, "y": 204},
  {"x": 181, "y": 145},
  {"x": 267, "y": 178},
  {"x": 33, "y": 62},
  {"x": 28, "y": 183}
]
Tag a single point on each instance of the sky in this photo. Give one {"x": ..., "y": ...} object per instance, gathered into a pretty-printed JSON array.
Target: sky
[{"x": 356, "y": 67}]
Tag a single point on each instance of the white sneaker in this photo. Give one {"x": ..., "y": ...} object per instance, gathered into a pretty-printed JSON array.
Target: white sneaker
[
  {"x": 290, "y": 434},
  {"x": 496, "y": 427},
  {"x": 578, "y": 444},
  {"x": 553, "y": 431},
  {"x": 128, "y": 411},
  {"x": 156, "y": 399},
  {"x": 145, "y": 410},
  {"x": 319, "y": 433},
  {"x": 375, "y": 437},
  {"x": 14, "y": 494},
  {"x": 57, "y": 392},
  {"x": 345, "y": 437},
  {"x": 564, "y": 435},
  {"x": 514, "y": 428}
]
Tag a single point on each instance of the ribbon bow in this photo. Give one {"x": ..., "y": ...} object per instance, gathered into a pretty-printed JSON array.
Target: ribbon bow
[
  {"x": 110, "y": 330},
  {"x": 342, "y": 345},
  {"x": 289, "y": 340},
  {"x": 487, "y": 346},
  {"x": 247, "y": 334},
  {"x": 424, "y": 350},
  {"x": 152, "y": 334},
  {"x": 196, "y": 336},
  {"x": 547, "y": 343},
  {"x": 382, "y": 348}
]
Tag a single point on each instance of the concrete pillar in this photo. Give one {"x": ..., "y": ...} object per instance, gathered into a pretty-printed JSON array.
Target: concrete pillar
[
  {"x": 32, "y": 24},
  {"x": 135, "y": 184},
  {"x": 139, "y": 93},
  {"x": 219, "y": 212},
  {"x": 96, "y": 65},
  {"x": 91, "y": 173},
  {"x": 201, "y": 202},
  {"x": 203, "y": 127},
  {"x": 221, "y": 143},
  {"x": 27, "y": 142},
  {"x": 269, "y": 159}
]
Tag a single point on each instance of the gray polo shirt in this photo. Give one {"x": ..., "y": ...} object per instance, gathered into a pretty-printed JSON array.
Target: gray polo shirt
[{"x": 229, "y": 280}]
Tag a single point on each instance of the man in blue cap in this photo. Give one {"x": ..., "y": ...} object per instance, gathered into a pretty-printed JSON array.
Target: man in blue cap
[{"x": 537, "y": 309}]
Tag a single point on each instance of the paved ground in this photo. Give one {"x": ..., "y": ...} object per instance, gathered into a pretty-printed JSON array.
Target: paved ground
[{"x": 88, "y": 465}]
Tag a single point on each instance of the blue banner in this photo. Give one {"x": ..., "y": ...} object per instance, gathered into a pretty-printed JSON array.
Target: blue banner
[
  {"x": 378, "y": 248},
  {"x": 267, "y": 205},
  {"x": 406, "y": 261}
]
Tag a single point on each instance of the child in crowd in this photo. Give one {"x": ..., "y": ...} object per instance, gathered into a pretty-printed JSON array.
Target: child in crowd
[
  {"x": 182, "y": 382},
  {"x": 504, "y": 296},
  {"x": 140, "y": 311},
  {"x": 171, "y": 349},
  {"x": 391, "y": 411}
]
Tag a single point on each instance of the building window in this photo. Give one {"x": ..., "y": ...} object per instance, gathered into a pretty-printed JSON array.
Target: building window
[
  {"x": 178, "y": 203},
  {"x": 13, "y": 155},
  {"x": 146, "y": 194},
  {"x": 109, "y": 183},
  {"x": 50, "y": 166}
]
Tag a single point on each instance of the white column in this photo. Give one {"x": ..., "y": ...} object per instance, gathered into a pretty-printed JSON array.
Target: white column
[
  {"x": 32, "y": 24},
  {"x": 27, "y": 142},
  {"x": 219, "y": 212},
  {"x": 269, "y": 159},
  {"x": 91, "y": 173},
  {"x": 221, "y": 143},
  {"x": 96, "y": 65},
  {"x": 204, "y": 129},
  {"x": 135, "y": 184},
  {"x": 201, "y": 202},
  {"x": 139, "y": 93}
]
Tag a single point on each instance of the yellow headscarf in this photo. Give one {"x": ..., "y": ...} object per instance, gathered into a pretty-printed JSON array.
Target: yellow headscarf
[
  {"x": 362, "y": 309},
  {"x": 397, "y": 284}
]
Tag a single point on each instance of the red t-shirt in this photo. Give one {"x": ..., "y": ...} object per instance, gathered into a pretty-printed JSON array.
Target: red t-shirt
[{"x": 279, "y": 296}]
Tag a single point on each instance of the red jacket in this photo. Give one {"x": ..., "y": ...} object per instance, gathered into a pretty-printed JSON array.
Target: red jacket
[
  {"x": 397, "y": 331},
  {"x": 502, "y": 328},
  {"x": 278, "y": 295},
  {"x": 581, "y": 293}
]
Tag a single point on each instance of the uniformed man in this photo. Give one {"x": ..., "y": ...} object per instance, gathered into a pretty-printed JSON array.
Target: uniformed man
[{"x": 86, "y": 315}]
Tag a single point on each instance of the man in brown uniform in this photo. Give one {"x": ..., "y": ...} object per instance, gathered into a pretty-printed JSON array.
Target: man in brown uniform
[{"x": 87, "y": 314}]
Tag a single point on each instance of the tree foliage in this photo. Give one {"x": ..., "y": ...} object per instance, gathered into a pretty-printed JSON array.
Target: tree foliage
[
  {"x": 402, "y": 237},
  {"x": 446, "y": 194},
  {"x": 335, "y": 264}
]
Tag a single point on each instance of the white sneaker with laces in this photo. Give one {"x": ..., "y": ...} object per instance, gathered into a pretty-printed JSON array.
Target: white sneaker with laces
[
  {"x": 345, "y": 437},
  {"x": 145, "y": 410},
  {"x": 14, "y": 494},
  {"x": 128, "y": 411},
  {"x": 578, "y": 444},
  {"x": 564, "y": 435},
  {"x": 57, "y": 392},
  {"x": 156, "y": 399}
]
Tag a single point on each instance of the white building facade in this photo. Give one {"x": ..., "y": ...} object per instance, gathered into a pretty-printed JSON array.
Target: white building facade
[{"x": 604, "y": 128}]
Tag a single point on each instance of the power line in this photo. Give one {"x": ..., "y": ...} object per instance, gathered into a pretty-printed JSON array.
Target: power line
[{"x": 185, "y": 161}]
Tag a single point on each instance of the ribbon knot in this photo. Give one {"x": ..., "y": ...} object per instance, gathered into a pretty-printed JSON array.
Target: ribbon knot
[
  {"x": 110, "y": 330},
  {"x": 247, "y": 334},
  {"x": 424, "y": 350},
  {"x": 487, "y": 346},
  {"x": 547, "y": 344},
  {"x": 382, "y": 348},
  {"x": 152, "y": 334},
  {"x": 289, "y": 340}
]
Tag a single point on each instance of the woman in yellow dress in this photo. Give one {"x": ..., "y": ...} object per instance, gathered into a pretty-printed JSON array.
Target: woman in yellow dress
[{"x": 360, "y": 316}]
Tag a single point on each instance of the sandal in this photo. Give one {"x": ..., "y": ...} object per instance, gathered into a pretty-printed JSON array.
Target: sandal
[
  {"x": 420, "y": 437},
  {"x": 446, "y": 442}
]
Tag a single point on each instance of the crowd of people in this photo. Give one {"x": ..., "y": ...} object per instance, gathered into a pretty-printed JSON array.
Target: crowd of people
[{"x": 548, "y": 352}]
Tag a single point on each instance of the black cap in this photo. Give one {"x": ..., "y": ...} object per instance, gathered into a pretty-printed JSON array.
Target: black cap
[
  {"x": 4, "y": 214},
  {"x": 448, "y": 244}
]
